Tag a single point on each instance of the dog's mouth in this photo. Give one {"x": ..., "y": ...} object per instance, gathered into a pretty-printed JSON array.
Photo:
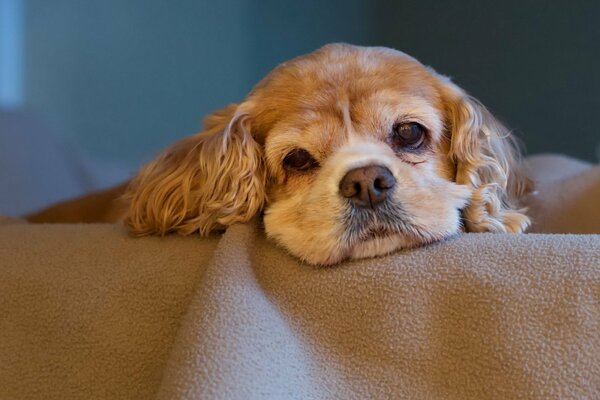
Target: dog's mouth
[
  {"x": 377, "y": 232},
  {"x": 390, "y": 223},
  {"x": 364, "y": 224}
]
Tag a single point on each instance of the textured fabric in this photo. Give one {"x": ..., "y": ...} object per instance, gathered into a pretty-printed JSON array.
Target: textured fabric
[
  {"x": 479, "y": 316},
  {"x": 568, "y": 195},
  {"x": 88, "y": 312}
]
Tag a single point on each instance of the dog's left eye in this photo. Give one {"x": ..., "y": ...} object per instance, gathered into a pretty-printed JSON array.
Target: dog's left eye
[
  {"x": 408, "y": 136},
  {"x": 299, "y": 160}
]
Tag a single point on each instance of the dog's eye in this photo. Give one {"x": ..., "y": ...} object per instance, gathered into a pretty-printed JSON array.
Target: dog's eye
[
  {"x": 299, "y": 160},
  {"x": 408, "y": 136}
]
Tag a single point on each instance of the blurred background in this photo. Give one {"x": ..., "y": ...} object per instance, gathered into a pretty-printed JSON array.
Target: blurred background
[{"x": 89, "y": 90}]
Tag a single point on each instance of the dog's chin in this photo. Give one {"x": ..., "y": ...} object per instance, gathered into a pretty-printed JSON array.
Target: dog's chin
[
  {"x": 371, "y": 242},
  {"x": 380, "y": 243},
  {"x": 362, "y": 238}
]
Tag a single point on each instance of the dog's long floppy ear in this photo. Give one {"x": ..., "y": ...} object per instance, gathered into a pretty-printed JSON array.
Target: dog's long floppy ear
[
  {"x": 486, "y": 158},
  {"x": 203, "y": 182}
]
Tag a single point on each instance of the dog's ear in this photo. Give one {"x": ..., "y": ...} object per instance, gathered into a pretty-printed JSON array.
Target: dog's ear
[
  {"x": 486, "y": 159},
  {"x": 203, "y": 182}
]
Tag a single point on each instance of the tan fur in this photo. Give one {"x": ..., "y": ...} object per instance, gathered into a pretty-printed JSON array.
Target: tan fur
[
  {"x": 486, "y": 159},
  {"x": 204, "y": 182},
  {"x": 102, "y": 206},
  {"x": 339, "y": 103}
]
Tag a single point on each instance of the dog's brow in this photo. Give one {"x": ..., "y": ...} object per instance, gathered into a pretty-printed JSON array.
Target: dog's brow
[{"x": 344, "y": 107}]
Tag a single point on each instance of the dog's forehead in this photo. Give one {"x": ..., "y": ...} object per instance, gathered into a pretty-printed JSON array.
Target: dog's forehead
[{"x": 325, "y": 83}]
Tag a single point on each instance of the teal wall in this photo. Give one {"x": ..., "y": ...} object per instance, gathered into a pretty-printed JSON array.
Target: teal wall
[{"x": 124, "y": 78}]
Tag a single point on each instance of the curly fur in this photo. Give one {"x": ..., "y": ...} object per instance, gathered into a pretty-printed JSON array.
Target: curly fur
[
  {"x": 487, "y": 159},
  {"x": 204, "y": 182}
]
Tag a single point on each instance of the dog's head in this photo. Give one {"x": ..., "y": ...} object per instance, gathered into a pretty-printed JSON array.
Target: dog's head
[{"x": 350, "y": 152}]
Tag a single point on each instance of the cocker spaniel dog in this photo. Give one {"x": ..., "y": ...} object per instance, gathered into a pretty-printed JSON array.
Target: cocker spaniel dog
[{"x": 348, "y": 152}]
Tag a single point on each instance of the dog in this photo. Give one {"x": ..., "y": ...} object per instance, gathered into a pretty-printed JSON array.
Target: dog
[{"x": 347, "y": 152}]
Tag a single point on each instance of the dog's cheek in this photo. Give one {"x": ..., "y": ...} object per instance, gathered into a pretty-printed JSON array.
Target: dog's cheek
[
  {"x": 434, "y": 206},
  {"x": 300, "y": 231}
]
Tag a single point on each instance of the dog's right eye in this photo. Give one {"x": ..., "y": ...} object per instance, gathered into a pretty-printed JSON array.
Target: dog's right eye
[
  {"x": 408, "y": 136},
  {"x": 299, "y": 160}
]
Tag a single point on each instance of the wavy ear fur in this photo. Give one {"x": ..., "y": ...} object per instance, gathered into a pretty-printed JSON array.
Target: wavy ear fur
[
  {"x": 487, "y": 160},
  {"x": 203, "y": 182}
]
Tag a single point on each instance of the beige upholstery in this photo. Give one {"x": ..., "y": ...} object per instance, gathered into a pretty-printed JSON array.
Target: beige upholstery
[{"x": 88, "y": 312}]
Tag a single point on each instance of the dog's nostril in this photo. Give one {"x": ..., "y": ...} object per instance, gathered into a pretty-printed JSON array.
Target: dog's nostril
[
  {"x": 350, "y": 187},
  {"x": 379, "y": 184},
  {"x": 367, "y": 186}
]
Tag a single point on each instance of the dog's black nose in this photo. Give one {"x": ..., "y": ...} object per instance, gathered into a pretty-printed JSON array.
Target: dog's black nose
[{"x": 367, "y": 186}]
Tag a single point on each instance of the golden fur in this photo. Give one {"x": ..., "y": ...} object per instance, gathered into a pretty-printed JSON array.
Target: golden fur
[{"x": 339, "y": 103}]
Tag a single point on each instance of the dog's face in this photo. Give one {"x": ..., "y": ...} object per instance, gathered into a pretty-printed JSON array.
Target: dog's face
[{"x": 350, "y": 152}]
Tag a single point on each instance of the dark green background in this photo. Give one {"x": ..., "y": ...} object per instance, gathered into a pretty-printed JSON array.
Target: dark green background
[{"x": 125, "y": 78}]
